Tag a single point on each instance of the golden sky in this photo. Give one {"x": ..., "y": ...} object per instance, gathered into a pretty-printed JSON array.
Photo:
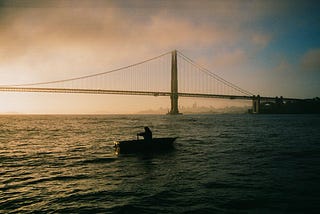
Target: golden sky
[{"x": 271, "y": 48}]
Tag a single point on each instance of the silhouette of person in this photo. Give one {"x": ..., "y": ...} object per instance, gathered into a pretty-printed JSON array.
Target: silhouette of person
[{"x": 147, "y": 134}]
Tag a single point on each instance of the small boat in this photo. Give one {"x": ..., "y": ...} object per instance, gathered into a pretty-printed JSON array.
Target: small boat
[{"x": 136, "y": 146}]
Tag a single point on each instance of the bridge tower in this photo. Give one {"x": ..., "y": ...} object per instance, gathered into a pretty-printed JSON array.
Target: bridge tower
[
  {"x": 256, "y": 104},
  {"x": 174, "y": 84}
]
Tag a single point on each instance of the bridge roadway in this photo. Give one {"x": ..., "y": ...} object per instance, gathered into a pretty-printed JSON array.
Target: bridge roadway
[{"x": 143, "y": 93}]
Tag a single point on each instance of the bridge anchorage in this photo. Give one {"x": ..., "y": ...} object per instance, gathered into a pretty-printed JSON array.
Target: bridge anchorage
[{"x": 256, "y": 102}]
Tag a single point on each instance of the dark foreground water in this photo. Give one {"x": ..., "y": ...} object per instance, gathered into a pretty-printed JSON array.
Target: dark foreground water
[{"x": 221, "y": 163}]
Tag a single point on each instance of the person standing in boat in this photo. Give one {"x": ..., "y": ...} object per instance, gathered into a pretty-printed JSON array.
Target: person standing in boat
[{"x": 147, "y": 134}]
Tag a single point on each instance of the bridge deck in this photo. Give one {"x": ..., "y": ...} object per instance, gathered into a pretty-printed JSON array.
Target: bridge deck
[{"x": 143, "y": 93}]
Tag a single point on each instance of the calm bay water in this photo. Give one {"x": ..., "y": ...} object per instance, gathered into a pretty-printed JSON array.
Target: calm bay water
[{"x": 221, "y": 163}]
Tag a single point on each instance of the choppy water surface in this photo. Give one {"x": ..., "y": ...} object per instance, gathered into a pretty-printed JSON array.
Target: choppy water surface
[{"x": 221, "y": 163}]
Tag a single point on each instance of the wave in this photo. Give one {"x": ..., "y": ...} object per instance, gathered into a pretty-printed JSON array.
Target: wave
[
  {"x": 23, "y": 182},
  {"x": 99, "y": 160}
]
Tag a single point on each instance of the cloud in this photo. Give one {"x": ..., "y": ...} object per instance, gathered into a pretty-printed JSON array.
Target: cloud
[
  {"x": 68, "y": 39},
  {"x": 46, "y": 31},
  {"x": 283, "y": 67},
  {"x": 122, "y": 25},
  {"x": 260, "y": 39},
  {"x": 310, "y": 61},
  {"x": 230, "y": 58}
]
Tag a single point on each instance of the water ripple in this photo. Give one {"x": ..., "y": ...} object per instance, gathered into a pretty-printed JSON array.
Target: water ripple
[{"x": 221, "y": 164}]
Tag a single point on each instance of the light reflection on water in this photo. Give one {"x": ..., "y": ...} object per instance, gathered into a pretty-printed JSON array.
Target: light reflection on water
[{"x": 221, "y": 163}]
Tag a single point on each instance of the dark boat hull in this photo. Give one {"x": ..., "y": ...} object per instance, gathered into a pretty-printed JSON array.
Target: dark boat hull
[{"x": 136, "y": 146}]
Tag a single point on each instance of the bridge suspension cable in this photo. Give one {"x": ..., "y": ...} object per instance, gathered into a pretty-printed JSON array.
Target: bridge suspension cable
[
  {"x": 151, "y": 75},
  {"x": 87, "y": 76},
  {"x": 214, "y": 76}
]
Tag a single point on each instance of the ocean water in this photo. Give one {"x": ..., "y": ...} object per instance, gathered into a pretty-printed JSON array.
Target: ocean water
[{"x": 220, "y": 164}]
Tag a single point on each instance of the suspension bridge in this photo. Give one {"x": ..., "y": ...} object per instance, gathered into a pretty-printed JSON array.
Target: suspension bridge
[{"x": 171, "y": 74}]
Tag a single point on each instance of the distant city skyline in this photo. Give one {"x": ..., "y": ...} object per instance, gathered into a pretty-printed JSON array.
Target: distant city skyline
[{"x": 271, "y": 48}]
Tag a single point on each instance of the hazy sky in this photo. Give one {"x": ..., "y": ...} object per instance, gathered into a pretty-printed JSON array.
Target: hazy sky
[{"x": 271, "y": 48}]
